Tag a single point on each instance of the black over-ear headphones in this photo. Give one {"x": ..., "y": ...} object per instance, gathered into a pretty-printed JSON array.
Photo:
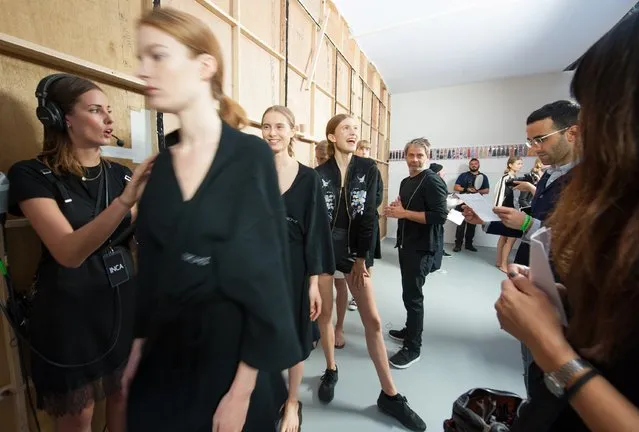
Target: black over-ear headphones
[{"x": 48, "y": 112}]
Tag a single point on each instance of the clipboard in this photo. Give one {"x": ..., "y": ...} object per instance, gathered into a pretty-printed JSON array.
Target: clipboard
[{"x": 540, "y": 273}]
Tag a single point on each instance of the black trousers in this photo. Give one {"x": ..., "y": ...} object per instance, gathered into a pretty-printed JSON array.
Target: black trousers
[
  {"x": 415, "y": 266},
  {"x": 465, "y": 231}
]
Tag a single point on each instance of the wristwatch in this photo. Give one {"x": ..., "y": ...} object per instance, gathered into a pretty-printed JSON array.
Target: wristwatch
[{"x": 557, "y": 381}]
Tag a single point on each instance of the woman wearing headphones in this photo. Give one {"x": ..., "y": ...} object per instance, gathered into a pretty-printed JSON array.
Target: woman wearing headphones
[
  {"x": 349, "y": 186},
  {"x": 78, "y": 203}
]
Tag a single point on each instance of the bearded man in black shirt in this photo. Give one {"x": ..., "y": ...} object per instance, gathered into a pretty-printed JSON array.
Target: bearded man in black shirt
[{"x": 421, "y": 213}]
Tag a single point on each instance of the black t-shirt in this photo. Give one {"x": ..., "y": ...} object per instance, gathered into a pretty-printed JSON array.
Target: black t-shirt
[
  {"x": 27, "y": 181},
  {"x": 427, "y": 193}
]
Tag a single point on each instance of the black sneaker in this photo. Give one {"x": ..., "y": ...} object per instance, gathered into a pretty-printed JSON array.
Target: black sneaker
[
  {"x": 471, "y": 248},
  {"x": 326, "y": 390},
  {"x": 457, "y": 249},
  {"x": 397, "y": 407},
  {"x": 404, "y": 358},
  {"x": 398, "y": 335},
  {"x": 446, "y": 254}
]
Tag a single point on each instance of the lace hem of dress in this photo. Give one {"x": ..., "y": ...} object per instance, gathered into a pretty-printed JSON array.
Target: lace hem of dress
[{"x": 73, "y": 402}]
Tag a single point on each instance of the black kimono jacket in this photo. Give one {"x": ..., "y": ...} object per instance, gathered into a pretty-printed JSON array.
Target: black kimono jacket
[{"x": 214, "y": 290}]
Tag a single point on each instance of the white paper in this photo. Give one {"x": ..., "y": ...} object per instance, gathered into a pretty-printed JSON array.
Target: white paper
[
  {"x": 455, "y": 217},
  {"x": 141, "y": 141},
  {"x": 540, "y": 272},
  {"x": 117, "y": 152},
  {"x": 480, "y": 205}
]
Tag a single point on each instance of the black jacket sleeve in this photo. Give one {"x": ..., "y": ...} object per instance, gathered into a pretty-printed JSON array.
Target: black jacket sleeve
[
  {"x": 498, "y": 228},
  {"x": 318, "y": 244},
  {"x": 380, "y": 190},
  {"x": 367, "y": 223},
  {"x": 434, "y": 194},
  {"x": 256, "y": 269}
]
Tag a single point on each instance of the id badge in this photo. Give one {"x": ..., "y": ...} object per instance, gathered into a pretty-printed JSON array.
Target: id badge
[{"x": 116, "y": 269}]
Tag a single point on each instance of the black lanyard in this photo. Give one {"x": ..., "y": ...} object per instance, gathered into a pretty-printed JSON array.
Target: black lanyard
[{"x": 103, "y": 190}]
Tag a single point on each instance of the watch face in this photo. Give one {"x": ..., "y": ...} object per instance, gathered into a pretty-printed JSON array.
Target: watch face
[{"x": 554, "y": 386}]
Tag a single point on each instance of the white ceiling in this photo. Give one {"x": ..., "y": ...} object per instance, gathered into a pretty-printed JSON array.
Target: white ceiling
[{"x": 422, "y": 44}]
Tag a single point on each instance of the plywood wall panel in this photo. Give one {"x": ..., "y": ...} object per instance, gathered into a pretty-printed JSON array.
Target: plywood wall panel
[
  {"x": 343, "y": 84},
  {"x": 325, "y": 71},
  {"x": 323, "y": 113},
  {"x": 299, "y": 100},
  {"x": 314, "y": 7},
  {"x": 304, "y": 152},
  {"x": 339, "y": 109},
  {"x": 301, "y": 29},
  {"x": 365, "y": 131},
  {"x": 352, "y": 53},
  {"x": 263, "y": 18},
  {"x": 367, "y": 99},
  {"x": 334, "y": 27},
  {"x": 102, "y": 32},
  {"x": 356, "y": 95},
  {"x": 259, "y": 79},
  {"x": 221, "y": 30}
]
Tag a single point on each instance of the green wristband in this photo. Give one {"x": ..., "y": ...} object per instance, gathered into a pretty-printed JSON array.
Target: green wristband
[
  {"x": 527, "y": 222},
  {"x": 3, "y": 269}
]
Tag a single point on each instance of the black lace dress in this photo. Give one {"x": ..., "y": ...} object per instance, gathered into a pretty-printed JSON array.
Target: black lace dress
[{"x": 77, "y": 316}]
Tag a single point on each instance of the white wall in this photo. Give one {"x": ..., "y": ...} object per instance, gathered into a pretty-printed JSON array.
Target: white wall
[{"x": 486, "y": 113}]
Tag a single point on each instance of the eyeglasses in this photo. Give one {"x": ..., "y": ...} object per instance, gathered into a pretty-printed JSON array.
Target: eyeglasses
[{"x": 539, "y": 140}]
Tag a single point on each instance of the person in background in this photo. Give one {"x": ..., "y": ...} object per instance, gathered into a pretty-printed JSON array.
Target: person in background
[
  {"x": 421, "y": 212},
  {"x": 78, "y": 203},
  {"x": 468, "y": 183},
  {"x": 321, "y": 152},
  {"x": 507, "y": 196},
  {"x": 587, "y": 373},
  {"x": 437, "y": 265},
  {"x": 310, "y": 246},
  {"x": 552, "y": 132},
  {"x": 349, "y": 184}
]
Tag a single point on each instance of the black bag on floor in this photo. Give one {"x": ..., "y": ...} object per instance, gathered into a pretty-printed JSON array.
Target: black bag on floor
[{"x": 484, "y": 410}]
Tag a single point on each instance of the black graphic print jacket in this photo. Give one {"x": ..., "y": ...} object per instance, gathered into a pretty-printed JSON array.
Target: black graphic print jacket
[{"x": 361, "y": 189}]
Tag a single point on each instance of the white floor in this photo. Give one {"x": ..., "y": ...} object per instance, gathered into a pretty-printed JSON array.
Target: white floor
[{"x": 463, "y": 348}]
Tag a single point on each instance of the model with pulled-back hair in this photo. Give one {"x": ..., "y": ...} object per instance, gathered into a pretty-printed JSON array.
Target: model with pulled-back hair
[
  {"x": 214, "y": 316},
  {"x": 349, "y": 187}
]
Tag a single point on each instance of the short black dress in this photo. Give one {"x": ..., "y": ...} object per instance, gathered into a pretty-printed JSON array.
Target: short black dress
[
  {"x": 310, "y": 245},
  {"x": 77, "y": 316}
]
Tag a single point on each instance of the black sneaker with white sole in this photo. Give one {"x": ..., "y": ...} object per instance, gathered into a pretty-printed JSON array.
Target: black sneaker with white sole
[
  {"x": 326, "y": 391},
  {"x": 397, "y": 407},
  {"x": 404, "y": 358},
  {"x": 398, "y": 335}
]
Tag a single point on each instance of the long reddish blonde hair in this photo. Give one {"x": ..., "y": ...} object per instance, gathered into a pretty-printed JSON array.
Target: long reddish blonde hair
[{"x": 199, "y": 38}]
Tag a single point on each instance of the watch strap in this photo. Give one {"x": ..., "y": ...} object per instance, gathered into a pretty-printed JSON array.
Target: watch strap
[
  {"x": 580, "y": 383},
  {"x": 568, "y": 370}
]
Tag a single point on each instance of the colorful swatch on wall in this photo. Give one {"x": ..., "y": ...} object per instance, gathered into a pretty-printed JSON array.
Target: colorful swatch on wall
[{"x": 479, "y": 152}]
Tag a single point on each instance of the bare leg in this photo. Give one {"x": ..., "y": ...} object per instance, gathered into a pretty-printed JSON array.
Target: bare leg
[
  {"x": 76, "y": 423},
  {"x": 373, "y": 330},
  {"x": 508, "y": 246},
  {"x": 290, "y": 422},
  {"x": 500, "y": 252},
  {"x": 325, "y": 320},
  {"x": 116, "y": 412},
  {"x": 341, "y": 302}
]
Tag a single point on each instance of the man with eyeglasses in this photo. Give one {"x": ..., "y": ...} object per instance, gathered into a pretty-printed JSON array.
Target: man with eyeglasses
[{"x": 552, "y": 134}]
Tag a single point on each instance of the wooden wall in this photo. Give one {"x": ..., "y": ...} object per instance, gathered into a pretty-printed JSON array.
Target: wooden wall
[{"x": 96, "y": 39}]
